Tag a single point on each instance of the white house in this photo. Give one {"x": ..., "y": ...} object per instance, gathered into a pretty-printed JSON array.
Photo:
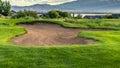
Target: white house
[
  {"x": 93, "y": 15},
  {"x": 90, "y": 15}
]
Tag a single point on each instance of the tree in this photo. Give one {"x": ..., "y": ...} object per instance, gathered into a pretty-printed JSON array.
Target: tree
[
  {"x": 66, "y": 14},
  {"x": 30, "y": 13},
  {"x": 1, "y": 7},
  {"x": 53, "y": 14},
  {"x": 5, "y": 8},
  {"x": 58, "y": 14}
]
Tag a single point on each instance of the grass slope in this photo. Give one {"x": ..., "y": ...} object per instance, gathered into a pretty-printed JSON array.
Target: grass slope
[
  {"x": 7, "y": 32},
  {"x": 104, "y": 54}
]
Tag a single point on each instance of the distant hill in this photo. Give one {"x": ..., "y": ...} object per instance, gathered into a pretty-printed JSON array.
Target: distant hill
[{"x": 77, "y": 6}]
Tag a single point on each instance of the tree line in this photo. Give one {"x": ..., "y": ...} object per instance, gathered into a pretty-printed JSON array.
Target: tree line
[{"x": 34, "y": 14}]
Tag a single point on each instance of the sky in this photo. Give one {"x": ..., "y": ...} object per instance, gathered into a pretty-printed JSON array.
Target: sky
[{"x": 32, "y": 2}]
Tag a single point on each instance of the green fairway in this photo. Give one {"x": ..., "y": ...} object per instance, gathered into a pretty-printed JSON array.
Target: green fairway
[{"x": 105, "y": 53}]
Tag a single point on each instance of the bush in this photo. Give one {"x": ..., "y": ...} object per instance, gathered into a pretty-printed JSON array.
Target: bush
[
  {"x": 53, "y": 14},
  {"x": 25, "y": 13},
  {"x": 64, "y": 14},
  {"x": 58, "y": 14},
  {"x": 71, "y": 20},
  {"x": 108, "y": 17}
]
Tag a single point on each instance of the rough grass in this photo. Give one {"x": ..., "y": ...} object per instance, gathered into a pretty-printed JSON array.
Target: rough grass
[
  {"x": 74, "y": 23},
  {"x": 104, "y": 54},
  {"x": 100, "y": 23}
]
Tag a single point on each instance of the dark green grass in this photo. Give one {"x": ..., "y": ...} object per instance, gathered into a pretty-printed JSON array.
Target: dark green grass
[{"x": 104, "y": 54}]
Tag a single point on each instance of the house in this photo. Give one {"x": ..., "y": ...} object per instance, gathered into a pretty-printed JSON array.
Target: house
[
  {"x": 12, "y": 11},
  {"x": 41, "y": 14},
  {"x": 94, "y": 16},
  {"x": 74, "y": 14},
  {"x": 90, "y": 15}
]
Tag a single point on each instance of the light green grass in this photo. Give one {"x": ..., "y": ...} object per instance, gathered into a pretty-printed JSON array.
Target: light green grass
[
  {"x": 7, "y": 32},
  {"x": 104, "y": 54}
]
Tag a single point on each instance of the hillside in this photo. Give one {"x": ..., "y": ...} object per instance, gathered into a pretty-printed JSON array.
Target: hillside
[{"x": 76, "y": 6}]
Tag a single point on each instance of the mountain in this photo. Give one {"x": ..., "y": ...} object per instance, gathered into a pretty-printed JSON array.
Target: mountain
[{"x": 77, "y": 6}]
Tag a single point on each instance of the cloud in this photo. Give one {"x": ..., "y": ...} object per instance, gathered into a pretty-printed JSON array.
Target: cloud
[{"x": 31, "y": 2}]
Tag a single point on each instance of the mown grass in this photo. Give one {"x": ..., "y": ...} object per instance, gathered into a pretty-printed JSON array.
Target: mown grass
[
  {"x": 104, "y": 54},
  {"x": 8, "y": 32}
]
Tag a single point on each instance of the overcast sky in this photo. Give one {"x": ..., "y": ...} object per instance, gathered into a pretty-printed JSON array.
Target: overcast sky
[{"x": 31, "y": 2}]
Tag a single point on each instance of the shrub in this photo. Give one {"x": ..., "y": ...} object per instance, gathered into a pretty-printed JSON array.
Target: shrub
[
  {"x": 71, "y": 20},
  {"x": 25, "y": 13},
  {"x": 58, "y": 14},
  {"x": 53, "y": 14},
  {"x": 108, "y": 17},
  {"x": 64, "y": 14}
]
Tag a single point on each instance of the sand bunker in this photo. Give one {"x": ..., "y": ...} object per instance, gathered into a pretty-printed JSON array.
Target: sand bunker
[{"x": 44, "y": 34}]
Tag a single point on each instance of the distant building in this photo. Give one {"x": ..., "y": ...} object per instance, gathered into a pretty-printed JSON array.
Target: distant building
[
  {"x": 90, "y": 15},
  {"x": 12, "y": 11},
  {"x": 74, "y": 14},
  {"x": 94, "y": 16},
  {"x": 41, "y": 14}
]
